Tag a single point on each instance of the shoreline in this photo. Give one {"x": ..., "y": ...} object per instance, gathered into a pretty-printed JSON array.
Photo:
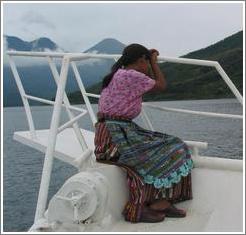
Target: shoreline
[{"x": 148, "y": 101}]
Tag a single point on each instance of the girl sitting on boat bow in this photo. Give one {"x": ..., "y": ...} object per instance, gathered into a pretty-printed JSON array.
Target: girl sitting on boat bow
[{"x": 158, "y": 165}]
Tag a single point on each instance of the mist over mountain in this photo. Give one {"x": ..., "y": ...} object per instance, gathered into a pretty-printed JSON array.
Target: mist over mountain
[
  {"x": 40, "y": 44},
  {"x": 184, "y": 81},
  {"x": 36, "y": 75}
]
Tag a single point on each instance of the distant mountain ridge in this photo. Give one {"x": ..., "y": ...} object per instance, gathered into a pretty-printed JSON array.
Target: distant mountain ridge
[
  {"x": 198, "y": 82},
  {"x": 184, "y": 81},
  {"x": 107, "y": 46},
  {"x": 233, "y": 41},
  {"x": 40, "y": 44},
  {"x": 38, "y": 80},
  {"x": 201, "y": 82}
]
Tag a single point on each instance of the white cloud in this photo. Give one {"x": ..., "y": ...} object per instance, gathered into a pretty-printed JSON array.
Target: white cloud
[
  {"x": 173, "y": 28},
  {"x": 32, "y": 17},
  {"x": 26, "y": 61}
]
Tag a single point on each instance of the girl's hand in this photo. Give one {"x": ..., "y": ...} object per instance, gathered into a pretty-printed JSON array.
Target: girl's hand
[{"x": 153, "y": 55}]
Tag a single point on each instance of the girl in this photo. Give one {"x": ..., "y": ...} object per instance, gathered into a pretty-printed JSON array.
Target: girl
[{"x": 158, "y": 165}]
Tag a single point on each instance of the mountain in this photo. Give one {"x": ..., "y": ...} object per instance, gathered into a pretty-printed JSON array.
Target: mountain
[
  {"x": 40, "y": 44},
  {"x": 184, "y": 81},
  {"x": 35, "y": 74},
  {"x": 227, "y": 44},
  {"x": 37, "y": 78},
  {"x": 107, "y": 46},
  {"x": 198, "y": 82}
]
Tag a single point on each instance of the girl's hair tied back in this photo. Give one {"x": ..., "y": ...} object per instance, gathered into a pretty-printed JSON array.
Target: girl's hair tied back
[{"x": 130, "y": 55}]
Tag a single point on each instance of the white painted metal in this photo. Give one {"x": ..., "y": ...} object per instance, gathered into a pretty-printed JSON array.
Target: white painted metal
[
  {"x": 83, "y": 91},
  {"x": 83, "y": 196},
  {"x": 218, "y": 163},
  {"x": 78, "y": 57},
  {"x": 195, "y": 152},
  {"x": 45, "y": 101},
  {"x": 67, "y": 104},
  {"x": 36, "y": 54},
  {"x": 197, "y": 144},
  {"x": 48, "y": 162},
  {"x": 70, "y": 123},
  {"x": 214, "y": 64},
  {"x": 24, "y": 100},
  {"x": 67, "y": 149},
  {"x": 146, "y": 120},
  {"x": 209, "y": 114},
  {"x": 229, "y": 83},
  {"x": 92, "y": 95},
  {"x": 187, "y": 61}
]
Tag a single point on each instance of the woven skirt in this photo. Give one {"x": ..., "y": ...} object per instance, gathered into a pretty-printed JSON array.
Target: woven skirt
[{"x": 158, "y": 165}]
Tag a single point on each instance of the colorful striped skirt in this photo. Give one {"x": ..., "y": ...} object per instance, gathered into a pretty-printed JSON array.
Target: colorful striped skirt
[{"x": 158, "y": 165}]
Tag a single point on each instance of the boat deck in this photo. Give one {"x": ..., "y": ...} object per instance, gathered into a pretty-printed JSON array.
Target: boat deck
[
  {"x": 206, "y": 212},
  {"x": 67, "y": 148},
  {"x": 214, "y": 186}
]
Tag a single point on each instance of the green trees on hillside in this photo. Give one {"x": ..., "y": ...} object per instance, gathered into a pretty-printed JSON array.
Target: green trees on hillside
[{"x": 197, "y": 82}]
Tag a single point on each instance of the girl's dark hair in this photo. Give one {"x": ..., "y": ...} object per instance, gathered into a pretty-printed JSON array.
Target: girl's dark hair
[{"x": 130, "y": 55}]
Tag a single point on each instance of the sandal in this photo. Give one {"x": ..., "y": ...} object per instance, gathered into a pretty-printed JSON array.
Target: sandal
[
  {"x": 149, "y": 216},
  {"x": 166, "y": 207},
  {"x": 159, "y": 204},
  {"x": 174, "y": 212}
]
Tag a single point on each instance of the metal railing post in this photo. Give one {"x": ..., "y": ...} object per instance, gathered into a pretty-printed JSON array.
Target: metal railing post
[
  {"x": 206, "y": 114},
  {"x": 146, "y": 120},
  {"x": 229, "y": 83},
  {"x": 67, "y": 104},
  {"x": 23, "y": 97},
  {"x": 49, "y": 155},
  {"x": 83, "y": 91}
]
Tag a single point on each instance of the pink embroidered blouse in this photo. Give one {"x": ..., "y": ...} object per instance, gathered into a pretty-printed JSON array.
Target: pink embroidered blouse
[{"x": 123, "y": 96}]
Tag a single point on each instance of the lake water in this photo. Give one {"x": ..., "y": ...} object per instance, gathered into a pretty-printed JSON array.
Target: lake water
[{"x": 22, "y": 166}]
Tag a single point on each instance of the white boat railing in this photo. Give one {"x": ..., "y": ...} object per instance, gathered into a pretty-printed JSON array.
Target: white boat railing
[{"x": 62, "y": 100}]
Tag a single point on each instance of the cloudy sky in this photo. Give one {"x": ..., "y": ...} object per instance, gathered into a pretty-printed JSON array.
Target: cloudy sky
[{"x": 173, "y": 28}]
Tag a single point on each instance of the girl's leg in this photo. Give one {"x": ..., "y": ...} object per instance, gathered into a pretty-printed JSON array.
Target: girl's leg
[
  {"x": 179, "y": 192},
  {"x": 136, "y": 209}
]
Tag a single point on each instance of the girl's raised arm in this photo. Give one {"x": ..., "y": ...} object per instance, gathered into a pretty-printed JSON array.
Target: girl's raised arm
[{"x": 160, "y": 84}]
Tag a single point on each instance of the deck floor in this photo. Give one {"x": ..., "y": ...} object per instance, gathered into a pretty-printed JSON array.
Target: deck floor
[
  {"x": 67, "y": 147},
  {"x": 217, "y": 204},
  {"x": 206, "y": 212}
]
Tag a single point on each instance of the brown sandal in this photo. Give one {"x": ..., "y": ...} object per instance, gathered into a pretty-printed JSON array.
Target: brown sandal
[
  {"x": 151, "y": 216},
  {"x": 159, "y": 204},
  {"x": 174, "y": 212},
  {"x": 162, "y": 205}
]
